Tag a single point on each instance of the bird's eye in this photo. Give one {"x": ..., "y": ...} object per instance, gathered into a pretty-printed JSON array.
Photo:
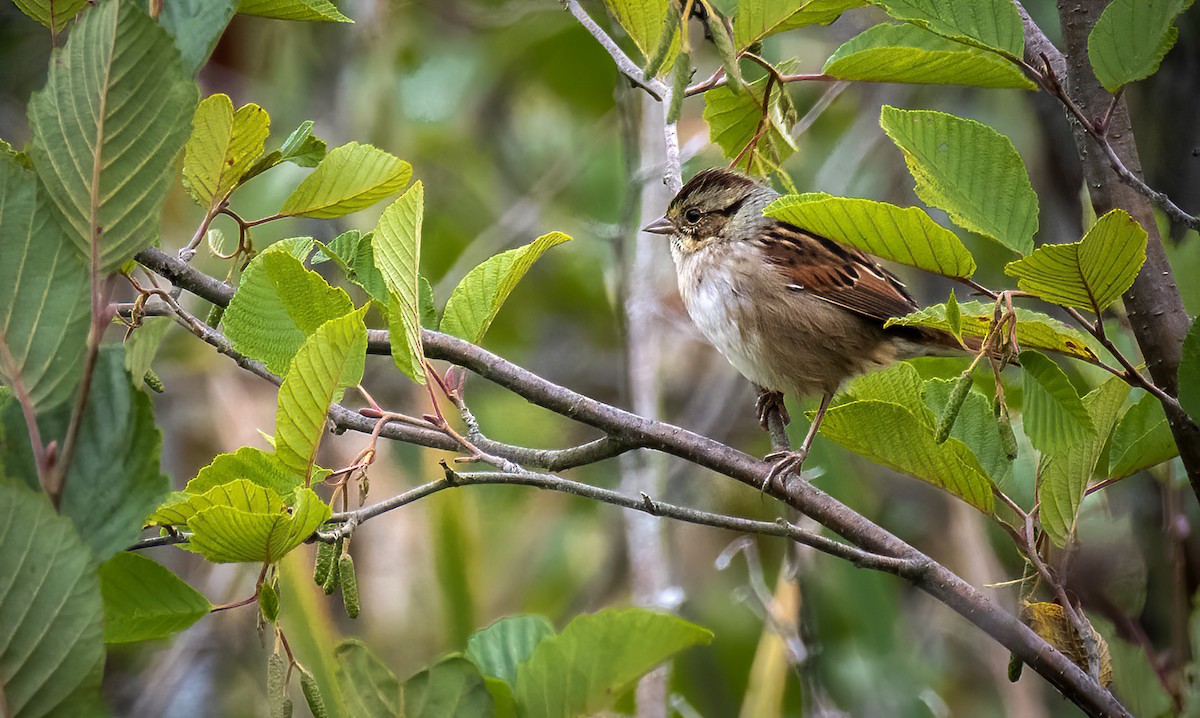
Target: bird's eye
[{"x": 692, "y": 215}]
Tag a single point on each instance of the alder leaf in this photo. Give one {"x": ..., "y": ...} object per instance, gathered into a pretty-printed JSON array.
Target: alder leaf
[
  {"x": 757, "y": 19},
  {"x": 54, "y": 14},
  {"x": 226, "y": 534},
  {"x": 311, "y": 10},
  {"x": 350, "y": 178},
  {"x": 1055, "y": 417},
  {"x": 989, "y": 24},
  {"x": 396, "y": 243},
  {"x": 1142, "y": 439},
  {"x": 144, "y": 600},
  {"x": 1034, "y": 329},
  {"x": 222, "y": 147},
  {"x": 1131, "y": 38}
]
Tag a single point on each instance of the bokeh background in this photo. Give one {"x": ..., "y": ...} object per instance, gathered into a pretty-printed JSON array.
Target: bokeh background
[{"x": 518, "y": 124}]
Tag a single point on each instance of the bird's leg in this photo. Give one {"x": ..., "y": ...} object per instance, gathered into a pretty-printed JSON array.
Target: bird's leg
[
  {"x": 787, "y": 462},
  {"x": 767, "y": 402}
]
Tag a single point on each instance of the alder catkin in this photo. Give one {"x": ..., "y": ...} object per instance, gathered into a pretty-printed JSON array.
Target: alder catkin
[
  {"x": 324, "y": 564},
  {"x": 669, "y": 29},
  {"x": 277, "y": 685},
  {"x": 954, "y": 403},
  {"x": 349, "y": 585},
  {"x": 1008, "y": 439},
  {"x": 682, "y": 74},
  {"x": 312, "y": 694}
]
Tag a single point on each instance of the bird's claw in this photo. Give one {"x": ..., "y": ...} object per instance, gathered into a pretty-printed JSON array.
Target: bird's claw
[
  {"x": 786, "y": 462},
  {"x": 767, "y": 402}
]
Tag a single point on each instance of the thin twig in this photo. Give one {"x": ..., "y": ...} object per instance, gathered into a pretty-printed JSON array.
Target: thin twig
[{"x": 655, "y": 87}]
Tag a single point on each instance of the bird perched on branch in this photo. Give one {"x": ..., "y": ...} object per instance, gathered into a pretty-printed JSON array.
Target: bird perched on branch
[{"x": 793, "y": 312}]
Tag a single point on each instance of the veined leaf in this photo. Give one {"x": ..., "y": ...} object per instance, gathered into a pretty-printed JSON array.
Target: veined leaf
[
  {"x": 224, "y": 534},
  {"x": 989, "y": 24},
  {"x": 312, "y": 10},
  {"x": 969, "y": 170},
  {"x": 278, "y": 305},
  {"x": 596, "y": 658},
  {"x": 370, "y": 687},
  {"x": 396, "y": 243},
  {"x": 1034, "y": 329},
  {"x": 196, "y": 26},
  {"x": 1130, "y": 39},
  {"x": 54, "y": 14},
  {"x": 44, "y": 302},
  {"x": 1063, "y": 477},
  {"x": 302, "y": 148},
  {"x": 899, "y": 384},
  {"x": 224, "y": 144},
  {"x": 907, "y": 53},
  {"x": 1090, "y": 274},
  {"x": 733, "y": 119},
  {"x": 1189, "y": 373},
  {"x": 330, "y": 360},
  {"x": 144, "y": 600},
  {"x": 1142, "y": 439},
  {"x": 451, "y": 687},
  {"x": 757, "y": 19},
  {"x": 1049, "y": 621},
  {"x": 506, "y": 644},
  {"x": 51, "y": 618},
  {"x": 107, "y": 127},
  {"x": 239, "y": 494},
  {"x": 643, "y": 20},
  {"x": 905, "y": 235},
  {"x": 478, "y": 297},
  {"x": 350, "y": 178},
  {"x": 1055, "y": 418},
  {"x": 893, "y": 436},
  {"x": 365, "y": 274},
  {"x": 247, "y": 463}
]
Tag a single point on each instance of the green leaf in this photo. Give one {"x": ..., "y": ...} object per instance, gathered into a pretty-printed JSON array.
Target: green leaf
[
  {"x": 114, "y": 481},
  {"x": 330, "y": 360},
  {"x": 370, "y": 687},
  {"x": 196, "y": 26},
  {"x": 44, "y": 301},
  {"x": 975, "y": 426},
  {"x": 891, "y": 435},
  {"x": 904, "y": 235},
  {"x": 51, "y": 617},
  {"x": 954, "y": 318},
  {"x": 503, "y": 704},
  {"x": 142, "y": 346},
  {"x": 1131, "y": 38},
  {"x": 906, "y": 53},
  {"x": 278, "y": 305},
  {"x": 969, "y": 170},
  {"x": 1142, "y": 439},
  {"x": 1091, "y": 273},
  {"x": 506, "y": 644},
  {"x": 226, "y": 534},
  {"x": 450, "y": 687},
  {"x": 54, "y": 14},
  {"x": 302, "y": 148},
  {"x": 429, "y": 312},
  {"x": 341, "y": 250},
  {"x": 478, "y": 297},
  {"x": 899, "y": 384},
  {"x": 1034, "y": 330},
  {"x": 247, "y": 463},
  {"x": 240, "y": 494},
  {"x": 1063, "y": 477},
  {"x": 396, "y": 243},
  {"x": 733, "y": 120},
  {"x": 223, "y": 146},
  {"x": 1189, "y": 373},
  {"x": 757, "y": 19},
  {"x": 642, "y": 20},
  {"x": 1055, "y": 418},
  {"x": 365, "y": 274},
  {"x": 313, "y": 10},
  {"x": 143, "y": 600},
  {"x": 596, "y": 658},
  {"x": 350, "y": 178},
  {"x": 988, "y": 24},
  {"x": 107, "y": 128}
]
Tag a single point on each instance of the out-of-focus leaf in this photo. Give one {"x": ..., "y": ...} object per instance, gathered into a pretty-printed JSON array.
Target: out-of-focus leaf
[
  {"x": 1142, "y": 439},
  {"x": 907, "y": 53},
  {"x": 196, "y": 26},
  {"x": 142, "y": 346},
  {"x": 1034, "y": 329},
  {"x": 107, "y": 128},
  {"x": 733, "y": 120},
  {"x": 969, "y": 170},
  {"x": 144, "y": 600},
  {"x": 989, "y": 24},
  {"x": 223, "y": 146},
  {"x": 596, "y": 658},
  {"x": 371, "y": 689},
  {"x": 1189, "y": 373},
  {"x": 51, "y": 616},
  {"x": 225, "y": 534},
  {"x": 247, "y": 463},
  {"x": 1091, "y": 273},
  {"x": 350, "y": 178},
  {"x": 477, "y": 299},
  {"x": 901, "y": 234},
  {"x": 1055, "y": 418},
  {"x": 278, "y": 305},
  {"x": 330, "y": 360},
  {"x": 44, "y": 302},
  {"x": 312, "y": 10},
  {"x": 1130, "y": 39},
  {"x": 396, "y": 243},
  {"x": 507, "y": 643},
  {"x": 1064, "y": 476},
  {"x": 757, "y": 19},
  {"x": 451, "y": 687}
]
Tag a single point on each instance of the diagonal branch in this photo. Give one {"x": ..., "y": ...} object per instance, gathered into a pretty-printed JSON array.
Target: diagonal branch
[{"x": 655, "y": 87}]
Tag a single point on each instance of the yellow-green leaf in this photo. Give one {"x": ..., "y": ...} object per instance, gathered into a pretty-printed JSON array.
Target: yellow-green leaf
[
  {"x": 396, "y": 243},
  {"x": 223, "y": 146},
  {"x": 1142, "y": 439},
  {"x": 1055, "y": 418},
  {"x": 225, "y": 534},
  {"x": 311, "y": 10},
  {"x": 989, "y": 24},
  {"x": 239, "y": 494},
  {"x": 756, "y": 19},
  {"x": 642, "y": 20},
  {"x": 144, "y": 600},
  {"x": 350, "y": 178},
  {"x": 1034, "y": 329},
  {"x": 51, "y": 13},
  {"x": 733, "y": 119}
]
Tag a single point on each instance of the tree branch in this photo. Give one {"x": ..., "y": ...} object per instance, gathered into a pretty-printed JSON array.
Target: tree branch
[{"x": 655, "y": 87}]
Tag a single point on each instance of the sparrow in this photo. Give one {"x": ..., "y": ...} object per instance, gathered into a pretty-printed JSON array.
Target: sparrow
[{"x": 794, "y": 312}]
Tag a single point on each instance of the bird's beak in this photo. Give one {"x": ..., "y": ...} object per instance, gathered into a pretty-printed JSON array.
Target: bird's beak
[{"x": 662, "y": 225}]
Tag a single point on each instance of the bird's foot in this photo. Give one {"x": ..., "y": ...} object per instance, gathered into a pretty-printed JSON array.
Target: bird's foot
[
  {"x": 770, "y": 401},
  {"x": 786, "y": 463}
]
